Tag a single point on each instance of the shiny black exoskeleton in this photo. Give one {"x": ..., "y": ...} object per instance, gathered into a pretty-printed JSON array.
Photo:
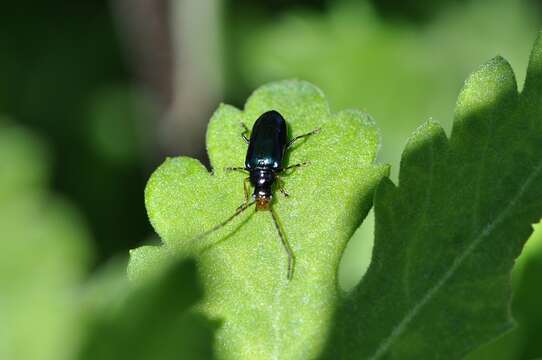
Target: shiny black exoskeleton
[
  {"x": 264, "y": 163},
  {"x": 265, "y": 155}
]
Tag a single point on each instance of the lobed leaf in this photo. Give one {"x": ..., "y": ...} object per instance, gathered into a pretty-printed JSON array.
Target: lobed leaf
[
  {"x": 243, "y": 265},
  {"x": 447, "y": 236}
]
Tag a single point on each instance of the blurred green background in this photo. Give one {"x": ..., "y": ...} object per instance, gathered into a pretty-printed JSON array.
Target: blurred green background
[{"x": 94, "y": 95}]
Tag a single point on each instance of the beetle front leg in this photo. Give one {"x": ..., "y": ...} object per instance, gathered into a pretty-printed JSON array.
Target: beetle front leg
[
  {"x": 245, "y": 132},
  {"x": 304, "y": 163},
  {"x": 291, "y": 142}
]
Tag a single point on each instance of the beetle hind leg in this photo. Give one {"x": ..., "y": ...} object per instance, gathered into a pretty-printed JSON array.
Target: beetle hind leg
[{"x": 285, "y": 245}]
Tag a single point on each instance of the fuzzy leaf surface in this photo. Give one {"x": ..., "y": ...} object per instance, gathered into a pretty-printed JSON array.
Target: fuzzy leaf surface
[
  {"x": 243, "y": 265},
  {"x": 446, "y": 238}
]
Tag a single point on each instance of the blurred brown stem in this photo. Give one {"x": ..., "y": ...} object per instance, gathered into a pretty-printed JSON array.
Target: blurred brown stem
[
  {"x": 145, "y": 33},
  {"x": 175, "y": 50}
]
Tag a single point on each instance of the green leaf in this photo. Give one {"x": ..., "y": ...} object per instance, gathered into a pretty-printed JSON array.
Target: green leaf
[
  {"x": 401, "y": 74},
  {"x": 24, "y": 161},
  {"x": 244, "y": 265},
  {"x": 447, "y": 236},
  {"x": 154, "y": 321},
  {"x": 522, "y": 342},
  {"x": 526, "y": 305},
  {"x": 117, "y": 122}
]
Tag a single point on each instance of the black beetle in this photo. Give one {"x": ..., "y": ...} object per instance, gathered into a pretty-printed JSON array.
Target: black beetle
[{"x": 264, "y": 162}]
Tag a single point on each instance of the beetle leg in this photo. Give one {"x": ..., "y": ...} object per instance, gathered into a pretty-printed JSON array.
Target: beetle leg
[
  {"x": 291, "y": 142},
  {"x": 245, "y": 188},
  {"x": 286, "y": 245},
  {"x": 236, "y": 169},
  {"x": 237, "y": 212},
  {"x": 304, "y": 163},
  {"x": 245, "y": 132},
  {"x": 280, "y": 184}
]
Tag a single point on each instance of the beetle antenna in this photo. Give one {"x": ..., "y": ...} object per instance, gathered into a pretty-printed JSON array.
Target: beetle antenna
[
  {"x": 285, "y": 244},
  {"x": 239, "y": 210}
]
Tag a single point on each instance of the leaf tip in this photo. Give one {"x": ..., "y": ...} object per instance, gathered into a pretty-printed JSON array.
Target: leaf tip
[
  {"x": 485, "y": 87},
  {"x": 145, "y": 261},
  {"x": 533, "y": 80},
  {"x": 428, "y": 139}
]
